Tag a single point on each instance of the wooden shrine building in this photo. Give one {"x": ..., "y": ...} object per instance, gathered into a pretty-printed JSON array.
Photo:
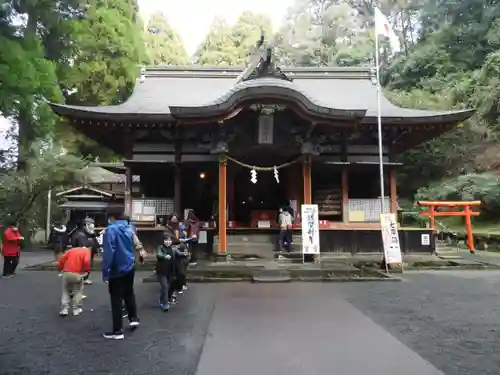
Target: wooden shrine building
[{"x": 195, "y": 134}]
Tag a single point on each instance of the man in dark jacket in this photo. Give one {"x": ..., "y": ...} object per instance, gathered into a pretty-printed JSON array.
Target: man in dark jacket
[
  {"x": 118, "y": 271},
  {"x": 84, "y": 236}
]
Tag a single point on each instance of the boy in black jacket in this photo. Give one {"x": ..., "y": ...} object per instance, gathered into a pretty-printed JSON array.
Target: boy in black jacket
[
  {"x": 167, "y": 257},
  {"x": 165, "y": 270}
]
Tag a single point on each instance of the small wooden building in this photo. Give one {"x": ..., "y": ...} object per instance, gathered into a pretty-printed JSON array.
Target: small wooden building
[
  {"x": 100, "y": 191},
  {"x": 195, "y": 134}
]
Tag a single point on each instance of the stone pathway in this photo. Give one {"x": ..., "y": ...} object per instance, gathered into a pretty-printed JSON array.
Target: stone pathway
[{"x": 299, "y": 329}]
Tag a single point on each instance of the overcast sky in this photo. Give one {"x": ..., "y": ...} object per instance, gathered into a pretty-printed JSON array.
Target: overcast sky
[{"x": 192, "y": 18}]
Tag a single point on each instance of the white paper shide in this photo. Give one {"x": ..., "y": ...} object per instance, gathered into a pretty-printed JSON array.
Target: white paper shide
[{"x": 310, "y": 229}]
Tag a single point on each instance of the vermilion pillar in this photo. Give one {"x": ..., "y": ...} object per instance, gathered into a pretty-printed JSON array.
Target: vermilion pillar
[
  {"x": 222, "y": 204},
  {"x": 231, "y": 184},
  {"x": 306, "y": 173},
  {"x": 393, "y": 194}
]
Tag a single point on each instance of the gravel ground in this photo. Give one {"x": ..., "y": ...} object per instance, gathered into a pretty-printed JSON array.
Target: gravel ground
[
  {"x": 452, "y": 319},
  {"x": 449, "y": 318},
  {"x": 36, "y": 341}
]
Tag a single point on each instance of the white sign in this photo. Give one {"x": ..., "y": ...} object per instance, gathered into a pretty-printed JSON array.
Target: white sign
[
  {"x": 266, "y": 129},
  {"x": 203, "y": 237},
  {"x": 310, "y": 229},
  {"x": 390, "y": 239},
  {"x": 263, "y": 224},
  {"x": 425, "y": 239}
]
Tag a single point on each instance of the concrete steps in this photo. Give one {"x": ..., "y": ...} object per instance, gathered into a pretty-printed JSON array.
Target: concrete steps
[
  {"x": 255, "y": 245},
  {"x": 445, "y": 250},
  {"x": 271, "y": 276}
]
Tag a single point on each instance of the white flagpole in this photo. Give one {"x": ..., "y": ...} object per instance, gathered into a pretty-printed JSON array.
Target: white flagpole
[
  {"x": 379, "y": 125},
  {"x": 379, "y": 128}
]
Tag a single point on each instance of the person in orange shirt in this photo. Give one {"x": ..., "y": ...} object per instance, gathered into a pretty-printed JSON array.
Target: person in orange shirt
[{"x": 74, "y": 265}]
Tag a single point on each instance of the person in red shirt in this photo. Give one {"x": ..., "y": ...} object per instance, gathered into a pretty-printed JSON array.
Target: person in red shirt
[
  {"x": 11, "y": 249},
  {"x": 75, "y": 265}
]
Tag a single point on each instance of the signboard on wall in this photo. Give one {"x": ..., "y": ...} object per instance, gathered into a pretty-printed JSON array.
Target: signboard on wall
[
  {"x": 266, "y": 129},
  {"x": 425, "y": 239},
  {"x": 390, "y": 239},
  {"x": 310, "y": 229}
]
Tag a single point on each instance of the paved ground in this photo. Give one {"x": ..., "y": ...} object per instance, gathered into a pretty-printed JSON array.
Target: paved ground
[
  {"x": 435, "y": 322},
  {"x": 451, "y": 318}
]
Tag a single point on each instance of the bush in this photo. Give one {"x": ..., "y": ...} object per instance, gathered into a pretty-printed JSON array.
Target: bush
[{"x": 484, "y": 187}]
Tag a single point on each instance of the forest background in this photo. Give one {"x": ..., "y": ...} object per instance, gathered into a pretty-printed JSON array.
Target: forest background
[{"x": 90, "y": 52}]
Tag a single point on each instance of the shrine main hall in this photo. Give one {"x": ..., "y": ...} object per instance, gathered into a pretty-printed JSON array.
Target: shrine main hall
[{"x": 235, "y": 145}]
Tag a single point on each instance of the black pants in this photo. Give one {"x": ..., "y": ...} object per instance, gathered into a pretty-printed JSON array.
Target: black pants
[
  {"x": 285, "y": 239},
  {"x": 10, "y": 264},
  {"x": 194, "y": 252},
  {"x": 180, "y": 274},
  {"x": 166, "y": 288},
  {"x": 121, "y": 289}
]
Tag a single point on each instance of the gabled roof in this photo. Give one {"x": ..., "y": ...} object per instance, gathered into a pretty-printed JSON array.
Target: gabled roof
[
  {"x": 91, "y": 189},
  {"x": 166, "y": 93},
  {"x": 106, "y": 173}
]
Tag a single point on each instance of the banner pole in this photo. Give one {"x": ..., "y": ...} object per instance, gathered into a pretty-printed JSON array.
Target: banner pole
[{"x": 379, "y": 135}]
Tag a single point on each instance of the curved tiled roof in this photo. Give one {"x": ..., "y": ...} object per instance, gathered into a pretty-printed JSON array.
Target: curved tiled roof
[{"x": 167, "y": 93}]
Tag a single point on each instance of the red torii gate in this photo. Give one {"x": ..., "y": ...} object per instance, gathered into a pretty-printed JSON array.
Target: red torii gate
[{"x": 434, "y": 212}]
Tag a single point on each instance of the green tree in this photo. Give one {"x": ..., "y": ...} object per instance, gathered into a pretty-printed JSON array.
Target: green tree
[
  {"x": 324, "y": 33},
  {"x": 453, "y": 64},
  {"x": 217, "y": 49},
  {"x": 232, "y": 46},
  {"x": 109, "y": 51},
  {"x": 23, "y": 193},
  {"x": 28, "y": 81},
  {"x": 102, "y": 70},
  {"x": 164, "y": 45},
  {"x": 246, "y": 32}
]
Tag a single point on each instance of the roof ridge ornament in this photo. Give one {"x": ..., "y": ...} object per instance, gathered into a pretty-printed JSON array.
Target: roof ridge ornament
[{"x": 262, "y": 63}]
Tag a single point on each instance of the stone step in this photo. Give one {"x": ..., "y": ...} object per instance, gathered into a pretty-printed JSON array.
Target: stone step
[
  {"x": 256, "y": 238},
  {"x": 271, "y": 276}
]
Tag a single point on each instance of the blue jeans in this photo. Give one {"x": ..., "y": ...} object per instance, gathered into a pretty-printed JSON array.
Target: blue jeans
[{"x": 164, "y": 288}]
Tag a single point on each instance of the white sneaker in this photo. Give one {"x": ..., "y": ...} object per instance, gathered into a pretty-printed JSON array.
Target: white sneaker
[
  {"x": 83, "y": 297},
  {"x": 118, "y": 335},
  {"x": 134, "y": 324},
  {"x": 87, "y": 282},
  {"x": 63, "y": 312},
  {"x": 184, "y": 287},
  {"x": 77, "y": 311}
]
